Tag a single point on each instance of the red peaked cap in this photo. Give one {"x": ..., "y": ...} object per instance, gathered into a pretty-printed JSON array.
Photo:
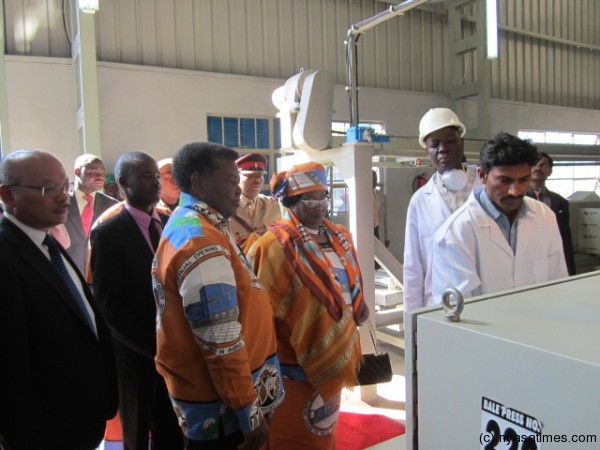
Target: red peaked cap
[{"x": 254, "y": 162}]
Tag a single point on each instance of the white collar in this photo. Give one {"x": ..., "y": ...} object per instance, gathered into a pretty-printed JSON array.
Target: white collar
[{"x": 37, "y": 236}]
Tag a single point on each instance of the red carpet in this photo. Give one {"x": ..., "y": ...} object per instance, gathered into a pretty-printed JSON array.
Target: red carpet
[{"x": 359, "y": 431}]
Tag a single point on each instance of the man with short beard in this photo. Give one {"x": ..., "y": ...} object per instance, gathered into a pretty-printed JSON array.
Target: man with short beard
[{"x": 499, "y": 239}]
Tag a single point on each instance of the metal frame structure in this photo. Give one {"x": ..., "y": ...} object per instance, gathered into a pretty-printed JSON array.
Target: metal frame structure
[
  {"x": 4, "y": 128},
  {"x": 351, "y": 43}
]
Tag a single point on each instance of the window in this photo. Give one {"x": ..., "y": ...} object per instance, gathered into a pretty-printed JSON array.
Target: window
[
  {"x": 338, "y": 193},
  {"x": 568, "y": 176},
  {"x": 248, "y": 135},
  {"x": 560, "y": 137},
  {"x": 251, "y": 133},
  {"x": 572, "y": 176}
]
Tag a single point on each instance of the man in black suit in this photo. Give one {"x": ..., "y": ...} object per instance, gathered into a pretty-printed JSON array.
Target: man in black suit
[
  {"x": 87, "y": 203},
  {"x": 121, "y": 258},
  {"x": 58, "y": 382},
  {"x": 539, "y": 173}
]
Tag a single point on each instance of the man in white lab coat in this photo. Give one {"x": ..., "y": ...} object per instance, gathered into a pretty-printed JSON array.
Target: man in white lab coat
[
  {"x": 441, "y": 134},
  {"x": 499, "y": 239}
]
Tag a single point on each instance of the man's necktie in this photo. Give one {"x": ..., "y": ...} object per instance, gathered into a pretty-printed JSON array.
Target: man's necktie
[
  {"x": 63, "y": 273},
  {"x": 538, "y": 194},
  {"x": 88, "y": 213},
  {"x": 154, "y": 234}
]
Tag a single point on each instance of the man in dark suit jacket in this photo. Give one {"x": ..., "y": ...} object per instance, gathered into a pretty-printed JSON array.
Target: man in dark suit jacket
[
  {"x": 121, "y": 261},
  {"x": 539, "y": 173},
  {"x": 89, "y": 180},
  {"x": 58, "y": 382}
]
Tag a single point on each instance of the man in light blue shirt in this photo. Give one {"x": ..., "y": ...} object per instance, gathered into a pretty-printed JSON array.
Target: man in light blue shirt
[{"x": 499, "y": 239}]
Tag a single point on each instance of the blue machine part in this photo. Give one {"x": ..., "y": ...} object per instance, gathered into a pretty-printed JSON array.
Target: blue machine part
[{"x": 365, "y": 134}]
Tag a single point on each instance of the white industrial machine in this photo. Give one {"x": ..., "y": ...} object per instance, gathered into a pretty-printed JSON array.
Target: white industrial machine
[
  {"x": 305, "y": 104},
  {"x": 514, "y": 370}
]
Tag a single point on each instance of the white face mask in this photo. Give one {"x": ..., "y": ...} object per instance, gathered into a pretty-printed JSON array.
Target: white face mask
[{"x": 455, "y": 179}]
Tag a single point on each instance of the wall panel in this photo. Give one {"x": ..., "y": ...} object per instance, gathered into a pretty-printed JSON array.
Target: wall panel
[{"x": 549, "y": 49}]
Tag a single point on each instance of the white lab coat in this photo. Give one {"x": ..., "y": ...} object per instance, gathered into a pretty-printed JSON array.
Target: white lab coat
[
  {"x": 427, "y": 211},
  {"x": 471, "y": 254}
]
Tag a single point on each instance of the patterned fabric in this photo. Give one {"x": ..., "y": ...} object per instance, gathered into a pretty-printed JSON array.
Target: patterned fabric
[
  {"x": 315, "y": 270},
  {"x": 304, "y": 420},
  {"x": 316, "y": 329},
  {"x": 299, "y": 179},
  {"x": 341, "y": 276},
  {"x": 216, "y": 344}
]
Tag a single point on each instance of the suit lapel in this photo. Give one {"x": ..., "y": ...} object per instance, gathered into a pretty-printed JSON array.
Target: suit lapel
[
  {"x": 99, "y": 206},
  {"x": 74, "y": 217},
  {"x": 163, "y": 219},
  {"x": 133, "y": 229},
  {"x": 554, "y": 202},
  {"x": 40, "y": 264}
]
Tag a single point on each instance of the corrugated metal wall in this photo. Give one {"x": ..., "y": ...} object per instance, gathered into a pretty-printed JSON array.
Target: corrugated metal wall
[
  {"x": 549, "y": 52},
  {"x": 272, "y": 38},
  {"x": 275, "y": 38}
]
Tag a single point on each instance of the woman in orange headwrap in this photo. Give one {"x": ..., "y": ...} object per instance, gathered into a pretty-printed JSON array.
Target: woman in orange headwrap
[{"x": 308, "y": 266}]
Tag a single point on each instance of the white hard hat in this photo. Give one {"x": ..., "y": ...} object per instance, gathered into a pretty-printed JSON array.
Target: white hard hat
[{"x": 436, "y": 119}]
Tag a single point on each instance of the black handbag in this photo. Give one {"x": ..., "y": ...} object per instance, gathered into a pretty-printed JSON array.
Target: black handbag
[{"x": 377, "y": 367}]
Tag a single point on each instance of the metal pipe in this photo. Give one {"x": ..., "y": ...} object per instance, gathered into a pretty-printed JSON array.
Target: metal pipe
[
  {"x": 4, "y": 131},
  {"x": 389, "y": 317},
  {"x": 541, "y": 36},
  {"x": 354, "y": 33},
  {"x": 383, "y": 16}
]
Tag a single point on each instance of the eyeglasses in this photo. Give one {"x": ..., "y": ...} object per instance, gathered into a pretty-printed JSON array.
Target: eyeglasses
[
  {"x": 48, "y": 191},
  {"x": 313, "y": 203}
]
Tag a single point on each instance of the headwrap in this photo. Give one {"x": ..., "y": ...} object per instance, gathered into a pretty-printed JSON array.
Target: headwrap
[{"x": 299, "y": 179}]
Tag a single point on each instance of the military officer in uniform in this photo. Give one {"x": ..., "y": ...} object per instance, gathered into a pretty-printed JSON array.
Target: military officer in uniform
[{"x": 256, "y": 211}]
